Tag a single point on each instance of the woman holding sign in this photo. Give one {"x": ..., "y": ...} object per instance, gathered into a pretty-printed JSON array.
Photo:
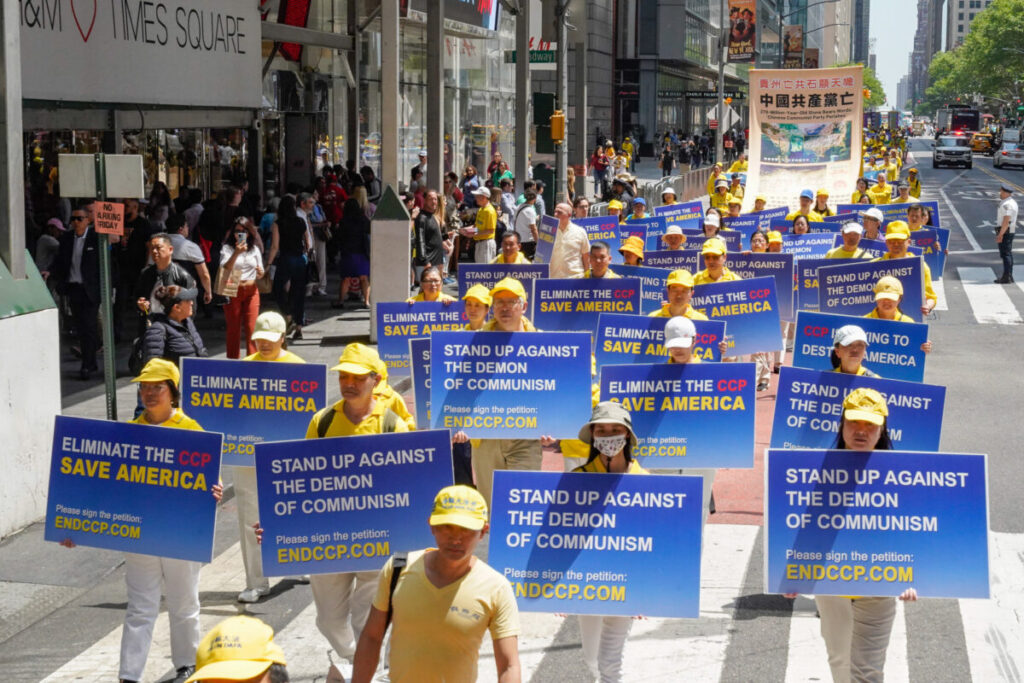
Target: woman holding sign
[
  {"x": 850, "y": 346},
  {"x": 888, "y": 294},
  {"x": 856, "y": 629},
  {"x": 478, "y": 304},
  {"x": 144, "y": 574}
]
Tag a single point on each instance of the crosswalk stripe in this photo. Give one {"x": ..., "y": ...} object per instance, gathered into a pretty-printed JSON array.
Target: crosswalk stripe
[
  {"x": 989, "y": 301},
  {"x": 940, "y": 295},
  {"x": 807, "y": 658},
  {"x": 994, "y": 628}
]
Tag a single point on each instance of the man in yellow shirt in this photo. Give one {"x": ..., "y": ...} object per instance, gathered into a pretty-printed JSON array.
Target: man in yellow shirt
[
  {"x": 716, "y": 175},
  {"x": 735, "y": 188},
  {"x": 679, "y": 291},
  {"x": 343, "y": 600},
  {"x": 806, "y": 208},
  {"x": 914, "y": 182},
  {"x": 510, "y": 249},
  {"x": 760, "y": 202},
  {"x": 486, "y": 224},
  {"x": 904, "y": 196},
  {"x": 851, "y": 238},
  {"x": 627, "y": 149},
  {"x": 881, "y": 193},
  {"x": 916, "y": 216},
  {"x": 268, "y": 335},
  {"x": 897, "y": 238},
  {"x": 441, "y": 603},
  {"x": 600, "y": 259},
  {"x": 714, "y": 253},
  {"x": 740, "y": 165}
]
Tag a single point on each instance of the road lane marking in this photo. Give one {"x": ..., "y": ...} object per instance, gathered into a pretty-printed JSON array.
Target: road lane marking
[
  {"x": 960, "y": 221},
  {"x": 940, "y": 295},
  {"x": 989, "y": 301},
  {"x": 1001, "y": 178}
]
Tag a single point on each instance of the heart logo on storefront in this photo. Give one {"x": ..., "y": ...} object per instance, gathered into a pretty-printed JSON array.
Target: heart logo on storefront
[{"x": 92, "y": 22}]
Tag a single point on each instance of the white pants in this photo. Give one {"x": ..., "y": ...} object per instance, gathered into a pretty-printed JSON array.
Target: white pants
[
  {"x": 856, "y": 633},
  {"x": 604, "y": 639},
  {"x": 342, "y": 605},
  {"x": 321, "y": 267},
  {"x": 249, "y": 514},
  {"x": 143, "y": 576},
  {"x": 484, "y": 251},
  {"x": 763, "y": 361}
]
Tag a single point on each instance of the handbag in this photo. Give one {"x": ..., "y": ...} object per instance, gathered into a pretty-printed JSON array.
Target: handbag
[
  {"x": 227, "y": 282},
  {"x": 265, "y": 283}
]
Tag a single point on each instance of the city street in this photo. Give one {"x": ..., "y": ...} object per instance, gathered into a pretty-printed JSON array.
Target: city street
[{"x": 61, "y": 610}]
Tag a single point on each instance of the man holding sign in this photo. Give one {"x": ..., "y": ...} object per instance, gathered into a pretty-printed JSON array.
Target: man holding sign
[
  {"x": 713, "y": 252},
  {"x": 600, "y": 258},
  {"x": 897, "y": 237},
  {"x": 679, "y": 286}
]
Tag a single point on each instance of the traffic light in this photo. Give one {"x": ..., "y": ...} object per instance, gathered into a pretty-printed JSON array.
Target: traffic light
[
  {"x": 728, "y": 100},
  {"x": 558, "y": 125}
]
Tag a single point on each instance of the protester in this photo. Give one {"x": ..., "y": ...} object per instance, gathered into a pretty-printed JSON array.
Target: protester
[
  {"x": 806, "y": 208},
  {"x": 343, "y": 600},
  {"x": 821, "y": 204},
  {"x": 720, "y": 197},
  {"x": 615, "y": 209},
  {"x": 269, "y": 337},
  {"x": 679, "y": 292},
  {"x": 735, "y": 206},
  {"x": 736, "y": 187},
  {"x": 774, "y": 241},
  {"x": 430, "y": 287},
  {"x": 632, "y": 250},
  {"x": 758, "y": 242},
  {"x": 917, "y": 217},
  {"x": 801, "y": 225},
  {"x": 478, "y": 304},
  {"x": 880, "y": 193},
  {"x": 510, "y": 250},
  {"x": 872, "y": 220},
  {"x": 144, "y": 574},
  {"x": 851, "y": 233},
  {"x": 903, "y": 190},
  {"x": 570, "y": 254},
  {"x": 760, "y": 202},
  {"x": 849, "y": 348},
  {"x": 673, "y": 238},
  {"x": 242, "y": 258},
  {"x": 639, "y": 210},
  {"x": 600, "y": 259},
  {"x": 857, "y": 629},
  {"x": 240, "y": 649},
  {"x": 580, "y": 207},
  {"x": 897, "y": 237},
  {"x": 914, "y": 181},
  {"x": 668, "y": 196},
  {"x": 426, "y": 642},
  {"x": 861, "y": 191},
  {"x": 888, "y": 295},
  {"x": 1006, "y": 225},
  {"x": 714, "y": 254},
  {"x": 712, "y": 223}
]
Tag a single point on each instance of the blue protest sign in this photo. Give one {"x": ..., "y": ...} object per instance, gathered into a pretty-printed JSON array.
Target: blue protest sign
[
  {"x": 133, "y": 487},
  {"x": 775, "y": 265},
  {"x": 419, "y": 355},
  {"x": 875, "y": 524},
  {"x": 874, "y": 248},
  {"x": 398, "y": 322},
  {"x": 609, "y": 544},
  {"x": 943, "y": 236},
  {"x": 749, "y": 307},
  {"x": 848, "y": 288},
  {"x": 927, "y": 240},
  {"x": 894, "y": 212},
  {"x": 811, "y": 245},
  {"x": 489, "y": 274},
  {"x": 623, "y": 339},
  {"x": 345, "y": 504},
  {"x": 510, "y": 385},
  {"x": 687, "y": 259},
  {"x": 569, "y": 305},
  {"x": 809, "y": 405},
  {"x": 604, "y": 229},
  {"x": 765, "y": 218},
  {"x": 652, "y": 282},
  {"x": 546, "y": 231},
  {"x": 894, "y": 348},
  {"x": 687, "y": 415},
  {"x": 687, "y": 214},
  {"x": 818, "y": 227},
  {"x": 807, "y": 281},
  {"x": 251, "y": 401},
  {"x": 733, "y": 239},
  {"x": 632, "y": 229},
  {"x": 746, "y": 224},
  {"x": 653, "y": 228}
]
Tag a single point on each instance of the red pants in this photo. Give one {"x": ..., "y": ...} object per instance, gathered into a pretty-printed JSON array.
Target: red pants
[{"x": 240, "y": 315}]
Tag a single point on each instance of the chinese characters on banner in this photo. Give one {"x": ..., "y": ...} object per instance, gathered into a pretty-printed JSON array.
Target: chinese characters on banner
[
  {"x": 742, "y": 30},
  {"x": 805, "y": 132}
]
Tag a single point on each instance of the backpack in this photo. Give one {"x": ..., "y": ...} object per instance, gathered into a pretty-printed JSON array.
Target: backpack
[
  {"x": 398, "y": 563},
  {"x": 326, "y": 417}
]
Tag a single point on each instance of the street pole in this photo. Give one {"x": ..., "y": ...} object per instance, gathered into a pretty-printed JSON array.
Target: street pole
[
  {"x": 561, "y": 150},
  {"x": 12, "y": 191},
  {"x": 106, "y": 296},
  {"x": 723, "y": 36}
]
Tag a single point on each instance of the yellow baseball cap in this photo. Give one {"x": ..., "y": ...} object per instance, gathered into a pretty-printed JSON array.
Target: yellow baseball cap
[
  {"x": 912, "y": 169},
  {"x": 480, "y": 293},
  {"x": 823, "y": 192},
  {"x": 357, "y": 359},
  {"x": 733, "y": 199},
  {"x": 761, "y": 198},
  {"x": 509, "y": 284},
  {"x": 634, "y": 245},
  {"x": 269, "y": 326},
  {"x": 158, "y": 370},
  {"x": 459, "y": 505},
  {"x": 867, "y": 405},
  {"x": 714, "y": 246},
  {"x": 888, "y": 287},
  {"x": 615, "y": 204},
  {"x": 774, "y": 237},
  {"x": 897, "y": 230},
  {"x": 237, "y": 649},
  {"x": 680, "y": 277}
]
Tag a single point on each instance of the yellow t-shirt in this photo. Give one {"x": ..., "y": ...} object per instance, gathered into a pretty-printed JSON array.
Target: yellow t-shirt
[
  {"x": 486, "y": 223},
  {"x": 597, "y": 466},
  {"x": 500, "y": 258},
  {"x": 880, "y": 195},
  {"x": 492, "y": 325},
  {"x": 812, "y": 216},
  {"x": 841, "y": 252},
  {"x": 609, "y": 274},
  {"x": 341, "y": 426},
  {"x": 704, "y": 278},
  {"x": 738, "y": 167},
  {"x": 441, "y": 298},
  {"x": 386, "y": 394},
  {"x": 177, "y": 420},
  {"x": 720, "y": 201},
  {"x": 691, "y": 313},
  {"x": 736, "y": 191},
  {"x": 857, "y": 194},
  {"x": 900, "y": 316},
  {"x": 436, "y": 632},
  {"x": 712, "y": 179},
  {"x": 929, "y": 290},
  {"x": 285, "y": 357},
  {"x": 915, "y": 188}
]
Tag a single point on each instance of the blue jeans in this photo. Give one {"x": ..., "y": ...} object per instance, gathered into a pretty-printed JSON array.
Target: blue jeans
[{"x": 1006, "y": 253}]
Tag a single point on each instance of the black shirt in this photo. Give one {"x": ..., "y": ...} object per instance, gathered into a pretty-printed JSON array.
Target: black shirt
[{"x": 429, "y": 249}]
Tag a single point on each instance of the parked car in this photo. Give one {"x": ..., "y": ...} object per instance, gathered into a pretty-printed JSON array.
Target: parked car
[
  {"x": 1009, "y": 154},
  {"x": 952, "y": 150}
]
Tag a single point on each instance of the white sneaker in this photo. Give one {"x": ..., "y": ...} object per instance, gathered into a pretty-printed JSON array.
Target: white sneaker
[{"x": 252, "y": 594}]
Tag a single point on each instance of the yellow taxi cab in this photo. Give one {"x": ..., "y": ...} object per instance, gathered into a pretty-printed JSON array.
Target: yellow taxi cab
[{"x": 981, "y": 143}]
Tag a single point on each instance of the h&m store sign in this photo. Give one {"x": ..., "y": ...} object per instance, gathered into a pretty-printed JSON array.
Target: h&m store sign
[{"x": 181, "y": 52}]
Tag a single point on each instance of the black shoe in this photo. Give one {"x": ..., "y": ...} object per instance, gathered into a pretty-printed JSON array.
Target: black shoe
[
  {"x": 182, "y": 674},
  {"x": 1003, "y": 281},
  {"x": 297, "y": 335},
  {"x": 84, "y": 374},
  {"x": 762, "y": 386}
]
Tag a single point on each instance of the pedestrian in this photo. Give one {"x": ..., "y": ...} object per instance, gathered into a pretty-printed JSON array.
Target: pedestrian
[
  {"x": 171, "y": 334},
  {"x": 1006, "y": 225},
  {"x": 856, "y": 630},
  {"x": 485, "y": 226},
  {"x": 427, "y": 643},
  {"x": 240, "y": 649},
  {"x": 189, "y": 255},
  {"x": 354, "y": 245},
  {"x": 599, "y": 168},
  {"x": 144, "y": 574},
  {"x": 666, "y": 162},
  {"x": 525, "y": 224},
  {"x": 242, "y": 258},
  {"x": 288, "y": 248},
  {"x": 163, "y": 272},
  {"x": 343, "y": 600},
  {"x": 570, "y": 255},
  {"x": 470, "y": 182},
  {"x": 320, "y": 229},
  {"x": 429, "y": 243},
  {"x": 501, "y": 172}
]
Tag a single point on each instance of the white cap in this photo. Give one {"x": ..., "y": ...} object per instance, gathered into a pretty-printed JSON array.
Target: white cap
[
  {"x": 712, "y": 219},
  {"x": 679, "y": 333},
  {"x": 848, "y": 334},
  {"x": 669, "y": 190},
  {"x": 673, "y": 230},
  {"x": 482, "y": 192},
  {"x": 873, "y": 213},
  {"x": 423, "y": 153},
  {"x": 853, "y": 227}
]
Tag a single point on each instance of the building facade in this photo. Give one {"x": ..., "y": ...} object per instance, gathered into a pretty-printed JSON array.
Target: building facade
[{"x": 959, "y": 16}]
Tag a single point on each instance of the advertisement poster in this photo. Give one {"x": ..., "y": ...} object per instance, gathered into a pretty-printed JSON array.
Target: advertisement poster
[
  {"x": 805, "y": 129},
  {"x": 609, "y": 544},
  {"x": 792, "y": 49},
  {"x": 742, "y": 30},
  {"x": 877, "y": 523}
]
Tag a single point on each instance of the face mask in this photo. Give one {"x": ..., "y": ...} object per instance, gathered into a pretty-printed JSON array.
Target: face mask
[{"x": 609, "y": 446}]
